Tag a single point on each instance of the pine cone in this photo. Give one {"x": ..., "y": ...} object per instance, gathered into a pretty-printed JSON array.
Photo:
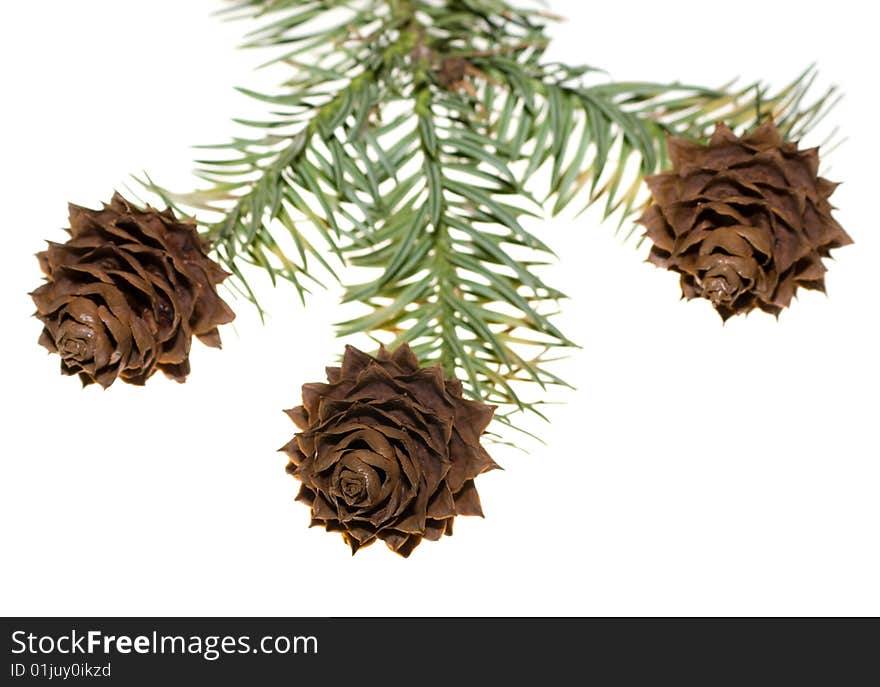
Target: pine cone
[
  {"x": 745, "y": 221},
  {"x": 125, "y": 295},
  {"x": 388, "y": 450}
]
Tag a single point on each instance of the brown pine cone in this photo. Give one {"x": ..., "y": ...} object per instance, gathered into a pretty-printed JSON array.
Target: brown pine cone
[
  {"x": 745, "y": 221},
  {"x": 389, "y": 450},
  {"x": 126, "y": 294}
]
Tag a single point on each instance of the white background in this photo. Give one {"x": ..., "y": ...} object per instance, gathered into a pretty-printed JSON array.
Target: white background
[{"x": 697, "y": 469}]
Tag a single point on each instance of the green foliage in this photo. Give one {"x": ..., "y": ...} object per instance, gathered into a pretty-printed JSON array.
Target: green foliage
[{"x": 413, "y": 137}]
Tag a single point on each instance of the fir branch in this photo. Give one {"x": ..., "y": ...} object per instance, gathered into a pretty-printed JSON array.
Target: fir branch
[
  {"x": 449, "y": 284},
  {"x": 638, "y": 117},
  {"x": 278, "y": 197},
  {"x": 412, "y": 138},
  {"x": 600, "y": 140}
]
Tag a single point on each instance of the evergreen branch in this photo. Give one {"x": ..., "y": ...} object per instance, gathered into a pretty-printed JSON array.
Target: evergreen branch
[
  {"x": 412, "y": 138},
  {"x": 449, "y": 284},
  {"x": 601, "y": 140},
  {"x": 279, "y": 197}
]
